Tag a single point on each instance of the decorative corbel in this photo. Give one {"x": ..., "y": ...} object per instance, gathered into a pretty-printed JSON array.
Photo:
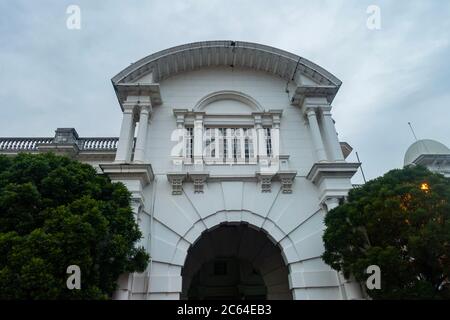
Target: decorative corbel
[
  {"x": 287, "y": 179},
  {"x": 266, "y": 181},
  {"x": 176, "y": 180},
  {"x": 199, "y": 180}
]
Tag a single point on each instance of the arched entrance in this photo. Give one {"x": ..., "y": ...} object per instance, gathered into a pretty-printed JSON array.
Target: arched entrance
[{"x": 235, "y": 261}]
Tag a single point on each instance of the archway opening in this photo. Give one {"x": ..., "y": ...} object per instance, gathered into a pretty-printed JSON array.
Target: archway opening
[{"x": 235, "y": 261}]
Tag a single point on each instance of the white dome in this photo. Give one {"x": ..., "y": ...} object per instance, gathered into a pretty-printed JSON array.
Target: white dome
[{"x": 425, "y": 146}]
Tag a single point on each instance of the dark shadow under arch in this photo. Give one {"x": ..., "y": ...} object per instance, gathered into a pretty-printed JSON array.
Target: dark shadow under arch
[{"x": 235, "y": 261}]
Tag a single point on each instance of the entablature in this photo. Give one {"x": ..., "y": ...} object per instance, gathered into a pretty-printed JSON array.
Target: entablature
[{"x": 267, "y": 118}]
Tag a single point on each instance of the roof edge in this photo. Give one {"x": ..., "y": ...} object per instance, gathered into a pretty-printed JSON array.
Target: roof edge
[{"x": 225, "y": 44}]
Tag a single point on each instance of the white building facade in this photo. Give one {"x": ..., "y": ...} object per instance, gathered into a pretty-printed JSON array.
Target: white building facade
[{"x": 232, "y": 158}]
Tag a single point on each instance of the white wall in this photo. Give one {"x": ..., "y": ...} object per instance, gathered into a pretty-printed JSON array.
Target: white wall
[
  {"x": 293, "y": 221},
  {"x": 186, "y": 89}
]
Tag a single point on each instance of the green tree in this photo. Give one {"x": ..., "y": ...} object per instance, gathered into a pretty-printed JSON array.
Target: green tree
[
  {"x": 400, "y": 222},
  {"x": 56, "y": 212}
]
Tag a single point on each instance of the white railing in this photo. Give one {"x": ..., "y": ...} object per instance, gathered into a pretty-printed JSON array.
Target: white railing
[
  {"x": 32, "y": 144},
  {"x": 98, "y": 143},
  {"x": 22, "y": 144}
]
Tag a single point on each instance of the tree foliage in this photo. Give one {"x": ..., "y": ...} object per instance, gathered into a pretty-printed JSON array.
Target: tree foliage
[
  {"x": 400, "y": 222},
  {"x": 56, "y": 212}
]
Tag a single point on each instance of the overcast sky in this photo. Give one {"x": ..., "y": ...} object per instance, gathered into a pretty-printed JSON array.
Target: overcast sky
[{"x": 52, "y": 77}]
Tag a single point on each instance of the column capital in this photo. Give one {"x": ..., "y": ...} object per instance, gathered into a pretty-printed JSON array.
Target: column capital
[
  {"x": 325, "y": 110},
  {"x": 276, "y": 120},
  {"x": 316, "y": 107},
  {"x": 180, "y": 112},
  {"x": 331, "y": 202},
  {"x": 136, "y": 99},
  {"x": 180, "y": 115},
  {"x": 275, "y": 115},
  {"x": 258, "y": 121},
  {"x": 310, "y": 111},
  {"x": 145, "y": 108},
  {"x": 129, "y": 107},
  {"x": 198, "y": 115}
]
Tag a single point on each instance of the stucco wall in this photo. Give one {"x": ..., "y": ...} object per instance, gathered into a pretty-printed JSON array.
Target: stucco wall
[
  {"x": 294, "y": 221},
  {"x": 186, "y": 89}
]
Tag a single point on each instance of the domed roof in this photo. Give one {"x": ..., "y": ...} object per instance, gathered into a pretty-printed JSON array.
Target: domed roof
[{"x": 425, "y": 146}]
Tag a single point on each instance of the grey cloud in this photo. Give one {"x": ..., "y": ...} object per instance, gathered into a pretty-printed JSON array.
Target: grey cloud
[{"x": 52, "y": 77}]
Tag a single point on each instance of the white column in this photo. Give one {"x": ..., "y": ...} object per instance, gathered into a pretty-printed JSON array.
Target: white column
[
  {"x": 261, "y": 147},
  {"x": 315, "y": 135},
  {"x": 198, "y": 140},
  {"x": 331, "y": 136},
  {"x": 241, "y": 141},
  {"x": 139, "y": 150},
  {"x": 124, "y": 146},
  {"x": 275, "y": 135},
  {"x": 219, "y": 149},
  {"x": 178, "y": 155},
  {"x": 229, "y": 141},
  {"x": 253, "y": 140},
  {"x": 131, "y": 141}
]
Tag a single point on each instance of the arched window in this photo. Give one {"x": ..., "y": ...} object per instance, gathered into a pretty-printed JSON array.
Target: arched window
[{"x": 228, "y": 127}]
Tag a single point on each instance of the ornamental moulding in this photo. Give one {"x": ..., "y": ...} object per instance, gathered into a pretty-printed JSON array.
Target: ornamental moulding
[{"x": 199, "y": 179}]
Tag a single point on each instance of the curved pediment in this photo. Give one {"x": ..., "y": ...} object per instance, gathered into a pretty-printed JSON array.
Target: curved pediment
[{"x": 193, "y": 56}]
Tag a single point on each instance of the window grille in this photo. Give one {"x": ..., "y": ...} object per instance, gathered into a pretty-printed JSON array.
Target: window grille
[
  {"x": 268, "y": 140},
  {"x": 228, "y": 145},
  {"x": 188, "y": 139}
]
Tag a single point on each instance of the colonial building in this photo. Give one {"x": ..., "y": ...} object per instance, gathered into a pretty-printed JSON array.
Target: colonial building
[{"x": 232, "y": 157}]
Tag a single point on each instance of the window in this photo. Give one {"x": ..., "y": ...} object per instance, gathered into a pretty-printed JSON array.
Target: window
[
  {"x": 188, "y": 140},
  {"x": 230, "y": 145},
  {"x": 268, "y": 139},
  {"x": 241, "y": 138}
]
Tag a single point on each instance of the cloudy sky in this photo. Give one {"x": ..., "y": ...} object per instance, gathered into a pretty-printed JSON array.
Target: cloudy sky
[{"x": 51, "y": 76}]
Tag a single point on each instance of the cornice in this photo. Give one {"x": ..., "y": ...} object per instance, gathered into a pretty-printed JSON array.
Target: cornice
[
  {"x": 305, "y": 91},
  {"x": 323, "y": 170},
  {"x": 129, "y": 171},
  {"x": 191, "y": 56},
  {"x": 150, "y": 90}
]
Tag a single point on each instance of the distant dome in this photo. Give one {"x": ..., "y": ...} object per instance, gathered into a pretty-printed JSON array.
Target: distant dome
[{"x": 425, "y": 146}]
